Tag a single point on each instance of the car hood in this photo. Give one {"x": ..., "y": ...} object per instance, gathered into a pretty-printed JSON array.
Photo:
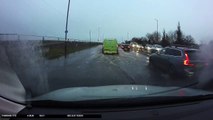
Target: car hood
[{"x": 116, "y": 91}]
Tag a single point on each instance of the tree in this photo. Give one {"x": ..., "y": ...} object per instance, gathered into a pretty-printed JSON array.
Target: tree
[
  {"x": 137, "y": 40},
  {"x": 150, "y": 38},
  {"x": 189, "y": 40},
  {"x": 144, "y": 41},
  {"x": 179, "y": 35},
  {"x": 153, "y": 38},
  {"x": 172, "y": 36},
  {"x": 165, "y": 40},
  {"x": 182, "y": 39},
  {"x": 127, "y": 42}
]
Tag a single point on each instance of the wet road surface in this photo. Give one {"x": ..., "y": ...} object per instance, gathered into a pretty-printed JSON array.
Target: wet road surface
[
  {"x": 86, "y": 68},
  {"x": 92, "y": 68}
]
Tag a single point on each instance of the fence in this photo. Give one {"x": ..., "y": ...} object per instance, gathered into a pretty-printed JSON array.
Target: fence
[
  {"x": 13, "y": 37},
  {"x": 16, "y": 37}
]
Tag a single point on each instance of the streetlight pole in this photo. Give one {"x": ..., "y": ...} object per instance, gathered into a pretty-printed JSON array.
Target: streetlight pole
[
  {"x": 103, "y": 37},
  {"x": 157, "y": 28},
  {"x": 98, "y": 34},
  {"x": 90, "y": 36},
  {"x": 128, "y": 36},
  {"x": 66, "y": 31}
]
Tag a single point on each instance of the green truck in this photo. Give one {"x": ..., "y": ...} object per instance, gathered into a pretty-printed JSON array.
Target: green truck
[{"x": 110, "y": 46}]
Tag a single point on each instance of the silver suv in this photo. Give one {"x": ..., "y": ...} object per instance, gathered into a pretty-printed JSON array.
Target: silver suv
[{"x": 178, "y": 61}]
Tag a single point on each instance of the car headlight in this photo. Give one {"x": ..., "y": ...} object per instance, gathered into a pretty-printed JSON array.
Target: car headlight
[{"x": 158, "y": 49}]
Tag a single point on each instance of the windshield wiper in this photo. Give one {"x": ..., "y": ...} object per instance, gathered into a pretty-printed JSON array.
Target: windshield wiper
[{"x": 13, "y": 101}]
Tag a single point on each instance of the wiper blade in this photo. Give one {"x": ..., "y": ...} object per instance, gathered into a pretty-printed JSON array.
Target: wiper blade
[{"x": 13, "y": 101}]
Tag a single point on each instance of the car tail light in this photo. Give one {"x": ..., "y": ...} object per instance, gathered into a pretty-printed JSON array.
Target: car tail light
[{"x": 187, "y": 61}]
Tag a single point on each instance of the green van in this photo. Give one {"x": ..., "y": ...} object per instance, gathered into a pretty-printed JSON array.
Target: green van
[{"x": 110, "y": 46}]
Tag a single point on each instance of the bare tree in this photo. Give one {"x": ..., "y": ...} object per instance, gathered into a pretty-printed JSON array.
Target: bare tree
[
  {"x": 172, "y": 36},
  {"x": 165, "y": 40},
  {"x": 150, "y": 38},
  {"x": 189, "y": 40},
  {"x": 179, "y": 38},
  {"x": 153, "y": 38}
]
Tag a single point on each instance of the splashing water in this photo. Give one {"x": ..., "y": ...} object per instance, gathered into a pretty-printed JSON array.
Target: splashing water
[
  {"x": 206, "y": 76},
  {"x": 25, "y": 58}
]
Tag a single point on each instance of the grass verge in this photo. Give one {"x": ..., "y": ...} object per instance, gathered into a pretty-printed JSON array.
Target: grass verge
[{"x": 53, "y": 51}]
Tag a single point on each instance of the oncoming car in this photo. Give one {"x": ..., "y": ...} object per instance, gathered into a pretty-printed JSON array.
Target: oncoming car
[
  {"x": 133, "y": 44},
  {"x": 110, "y": 46},
  {"x": 157, "y": 47},
  {"x": 148, "y": 48}
]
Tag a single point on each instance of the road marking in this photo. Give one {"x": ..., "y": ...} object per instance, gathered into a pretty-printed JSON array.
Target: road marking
[{"x": 122, "y": 71}]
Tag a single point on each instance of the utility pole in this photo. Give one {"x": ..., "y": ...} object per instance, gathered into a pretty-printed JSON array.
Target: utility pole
[
  {"x": 128, "y": 36},
  {"x": 90, "y": 36},
  {"x": 157, "y": 28},
  {"x": 103, "y": 37},
  {"x": 66, "y": 31},
  {"x": 98, "y": 34}
]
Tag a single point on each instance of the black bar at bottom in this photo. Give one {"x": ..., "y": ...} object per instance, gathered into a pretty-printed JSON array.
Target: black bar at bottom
[{"x": 53, "y": 116}]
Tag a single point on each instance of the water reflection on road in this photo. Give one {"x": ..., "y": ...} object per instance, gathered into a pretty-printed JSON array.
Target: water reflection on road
[{"x": 92, "y": 68}]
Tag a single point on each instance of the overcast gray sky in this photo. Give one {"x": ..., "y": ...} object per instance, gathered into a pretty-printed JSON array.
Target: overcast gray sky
[{"x": 115, "y": 18}]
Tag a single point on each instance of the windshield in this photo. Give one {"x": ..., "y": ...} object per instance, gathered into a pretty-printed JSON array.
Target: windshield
[{"x": 102, "y": 49}]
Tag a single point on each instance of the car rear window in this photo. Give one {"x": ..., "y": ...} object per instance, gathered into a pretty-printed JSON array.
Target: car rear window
[
  {"x": 173, "y": 52},
  {"x": 194, "y": 54}
]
